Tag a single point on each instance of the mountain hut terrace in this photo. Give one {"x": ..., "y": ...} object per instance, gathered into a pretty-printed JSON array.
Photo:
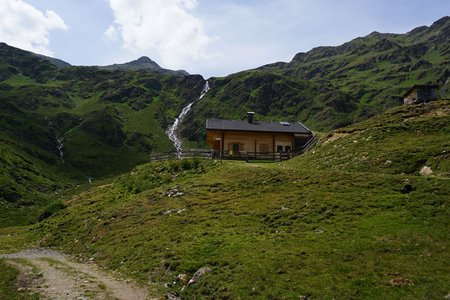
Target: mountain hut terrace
[{"x": 255, "y": 139}]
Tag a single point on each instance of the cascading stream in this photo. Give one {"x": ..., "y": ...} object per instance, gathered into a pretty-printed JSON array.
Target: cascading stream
[
  {"x": 444, "y": 88},
  {"x": 172, "y": 132},
  {"x": 61, "y": 148}
]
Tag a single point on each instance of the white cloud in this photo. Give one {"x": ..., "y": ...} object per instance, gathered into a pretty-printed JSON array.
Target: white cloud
[
  {"x": 24, "y": 26},
  {"x": 164, "y": 27},
  {"x": 112, "y": 34}
]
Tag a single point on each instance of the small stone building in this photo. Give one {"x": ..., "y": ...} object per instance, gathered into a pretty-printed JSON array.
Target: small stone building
[{"x": 420, "y": 93}]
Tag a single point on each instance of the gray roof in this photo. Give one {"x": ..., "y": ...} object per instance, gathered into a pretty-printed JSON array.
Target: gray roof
[
  {"x": 287, "y": 127},
  {"x": 421, "y": 86}
]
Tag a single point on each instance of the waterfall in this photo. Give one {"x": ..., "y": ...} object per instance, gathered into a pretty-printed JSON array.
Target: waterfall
[
  {"x": 60, "y": 148},
  {"x": 172, "y": 132},
  {"x": 444, "y": 88}
]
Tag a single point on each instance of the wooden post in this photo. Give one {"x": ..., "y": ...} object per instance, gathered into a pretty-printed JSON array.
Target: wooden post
[{"x": 273, "y": 146}]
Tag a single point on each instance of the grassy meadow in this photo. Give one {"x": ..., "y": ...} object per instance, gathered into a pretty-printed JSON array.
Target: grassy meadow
[{"x": 352, "y": 218}]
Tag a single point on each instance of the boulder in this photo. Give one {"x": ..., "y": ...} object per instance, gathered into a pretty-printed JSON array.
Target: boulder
[
  {"x": 426, "y": 171},
  {"x": 200, "y": 272}
]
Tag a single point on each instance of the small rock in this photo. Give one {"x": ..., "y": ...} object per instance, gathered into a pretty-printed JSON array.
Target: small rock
[
  {"x": 426, "y": 171},
  {"x": 172, "y": 296},
  {"x": 329, "y": 212},
  {"x": 174, "y": 192},
  {"x": 399, "y": 281},
  {"x": 183, "y": 278},
  {"x": 200, "y": 272}
]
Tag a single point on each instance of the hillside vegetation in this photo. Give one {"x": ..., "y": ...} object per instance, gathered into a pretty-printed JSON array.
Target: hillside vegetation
[
  {"x": 331, "y": 87},
  {"x": 352, "y": 218},
  {"x": 62, "y": 126}
]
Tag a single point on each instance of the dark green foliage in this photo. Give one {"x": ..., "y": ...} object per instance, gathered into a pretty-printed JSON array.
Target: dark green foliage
[
  {"x": 107, "y": 121},
  {"x": 13, "y": 61},
  {"x": 105, "y": 125},
  {"x": 51, "y": 210}
]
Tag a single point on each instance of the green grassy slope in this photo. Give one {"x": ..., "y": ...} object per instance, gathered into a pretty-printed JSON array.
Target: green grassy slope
[
  {"x": 272, "y": 97},
  {"x": 400, "y": 142},
  {"x": 379, "y": 67},
  {"x": 331, "y": 87},
  {"x": 350, "y": 219},
  {"x": 108, "y": 122}
]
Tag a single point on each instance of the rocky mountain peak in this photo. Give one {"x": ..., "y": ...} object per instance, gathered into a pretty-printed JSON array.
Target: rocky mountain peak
[
  {"x": 445, "y": 21},
  {"x": 144, "y": 59},
  {"x": 144, "y": 62}
]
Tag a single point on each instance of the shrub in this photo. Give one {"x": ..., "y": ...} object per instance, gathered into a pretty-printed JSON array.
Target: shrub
[{"x": 51, "y": 209}]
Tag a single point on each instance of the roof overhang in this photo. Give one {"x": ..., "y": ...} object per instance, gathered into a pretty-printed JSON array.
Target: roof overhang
[{"x": 420, "y": 86}]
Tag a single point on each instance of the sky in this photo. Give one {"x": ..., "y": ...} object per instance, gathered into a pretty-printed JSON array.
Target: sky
[{"x": 207, "y": 37}]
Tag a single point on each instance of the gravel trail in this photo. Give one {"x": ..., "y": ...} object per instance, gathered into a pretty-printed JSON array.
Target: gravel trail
[{"x": 57, "y": 276}]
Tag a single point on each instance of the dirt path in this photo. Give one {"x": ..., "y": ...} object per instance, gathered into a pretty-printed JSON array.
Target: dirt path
[{"x": 56, "y": 276}]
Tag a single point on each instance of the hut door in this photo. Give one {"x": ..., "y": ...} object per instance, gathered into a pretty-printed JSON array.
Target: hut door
[{"x": 216, "y": 145}]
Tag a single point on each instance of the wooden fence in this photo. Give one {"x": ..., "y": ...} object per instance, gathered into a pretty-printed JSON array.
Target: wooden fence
[
  {"x": 230, "y": 155},
  {"x": 192, "y": 153}
]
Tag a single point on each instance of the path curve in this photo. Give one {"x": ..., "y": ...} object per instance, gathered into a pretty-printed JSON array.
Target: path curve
[{"x": 56, "y": 276}]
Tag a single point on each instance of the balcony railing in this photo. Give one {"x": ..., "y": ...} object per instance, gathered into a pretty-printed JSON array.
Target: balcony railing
[{"x": 234, "y": 155}]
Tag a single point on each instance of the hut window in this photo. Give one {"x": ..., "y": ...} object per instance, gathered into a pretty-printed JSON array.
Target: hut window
[{"x": 264, "y": 148}]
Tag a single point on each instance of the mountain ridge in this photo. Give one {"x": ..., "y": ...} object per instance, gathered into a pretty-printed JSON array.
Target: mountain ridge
[
  {"x": 143, "y": 63},
  {"x": 364, "y": 214},
  {"x": 348, "y": 83},
  {"x": 112, "y": 120}
]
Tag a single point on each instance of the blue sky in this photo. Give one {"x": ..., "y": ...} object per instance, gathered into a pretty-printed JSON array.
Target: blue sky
[{"x": 208, "y": 37}]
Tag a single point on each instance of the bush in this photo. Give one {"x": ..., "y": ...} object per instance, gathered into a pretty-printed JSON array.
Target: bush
[
  {"x": 186, "y": 164},
  {"x": 51, "y": 209}
]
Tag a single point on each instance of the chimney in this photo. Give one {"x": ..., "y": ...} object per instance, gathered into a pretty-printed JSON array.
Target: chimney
[{"x": 250, "y": 116}]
